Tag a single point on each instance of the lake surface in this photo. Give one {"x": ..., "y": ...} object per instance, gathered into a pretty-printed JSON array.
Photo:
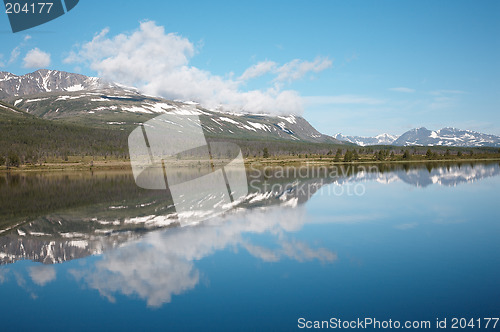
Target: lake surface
[{"x": 85, "y": 251}]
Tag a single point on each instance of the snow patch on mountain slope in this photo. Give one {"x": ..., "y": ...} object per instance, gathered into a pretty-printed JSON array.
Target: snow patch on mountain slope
[
  {"x": 260, "y": 126},
  {"x": 382, "y": 139},
  {"x": 76, "y": 87},
  {"x": 228, "y": 120},
  {"x": 290, "y": 119},
  {"x": 452, "y": 137}
]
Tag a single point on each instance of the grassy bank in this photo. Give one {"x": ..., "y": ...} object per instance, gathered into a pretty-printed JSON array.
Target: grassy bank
[{"x": 73, "y": 163}]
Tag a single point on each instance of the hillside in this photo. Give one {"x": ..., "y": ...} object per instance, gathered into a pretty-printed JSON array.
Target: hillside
[
  {"x": 449, "y": 137},
  {"x": 56, "y": 95},
  {"x": 44, "y": 80},
  {"x": 29, "y": 139},
  {"x": 382, "y": 139},
  {"x": 33, "y": 139}
]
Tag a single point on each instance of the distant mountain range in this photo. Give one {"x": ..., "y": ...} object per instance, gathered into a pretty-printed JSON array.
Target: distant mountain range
[
  {"x": 93, "y": 229},
  {"x": 446, "y": 137},
  {"x": 58, "y": 95},
  {"x": 382, "y": 139},
  {"x": 45, "y": 80},
  {"x": 452, "y": 137}
]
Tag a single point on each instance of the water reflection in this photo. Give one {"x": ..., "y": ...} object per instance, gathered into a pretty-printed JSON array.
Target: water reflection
[
  {"x": 162, "y": 263},
  {"x": 144, "y": 250},
  {"x": 426, "y": 175}
]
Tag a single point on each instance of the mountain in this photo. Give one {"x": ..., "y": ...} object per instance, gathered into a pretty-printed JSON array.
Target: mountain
[
  {"x": 89, "y": 230},
  {"x": 33, "y": 138},
  {"x": 449, "y": 176},
  {"x": 382, "y": 139},
  {"x": 59, "y": 95},
  {"x": 424, "y": 137},
  {"x": 45, "y": 80},
  {"x": 56, "y": 233},
  {"x": 447, "y": 137},
  {"x": 56, "y": 95}
]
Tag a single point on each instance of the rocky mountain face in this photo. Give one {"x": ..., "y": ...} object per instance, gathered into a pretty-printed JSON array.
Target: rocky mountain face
[
  {"x": 56, "y": 238},
  {"x": 446, "y": 137},
  {"x": 452, "y": 137},
  {"x": 382, "y": 139},
  {"x": 84, "y": 231},
  {"x": 44, "y": 80},
  {"x": 449, "y": 176},
  {"x": 57, "y": 95}
]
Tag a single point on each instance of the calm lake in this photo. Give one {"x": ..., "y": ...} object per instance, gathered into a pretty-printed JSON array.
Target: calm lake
[{"x": 85, "y": 251}]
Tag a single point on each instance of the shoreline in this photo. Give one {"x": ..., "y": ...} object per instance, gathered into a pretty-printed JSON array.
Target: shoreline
[
  {"x": 324, "y": 162},
  {"x": 125, "y": 165}
]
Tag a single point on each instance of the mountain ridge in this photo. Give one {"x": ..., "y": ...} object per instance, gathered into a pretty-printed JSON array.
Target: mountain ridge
[
  {"x": 58, "y": 95},
  {"x": 46, "y": 80},
  {"x": 447, "y": 136},
  {"x": 381, "y": 139}
]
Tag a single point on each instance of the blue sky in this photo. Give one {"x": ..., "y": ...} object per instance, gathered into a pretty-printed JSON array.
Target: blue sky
[{"x": 360, "y": 68}]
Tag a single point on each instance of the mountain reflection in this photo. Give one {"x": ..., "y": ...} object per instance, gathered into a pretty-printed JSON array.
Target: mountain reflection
[
  {"x": 423, "y": 176},
  {"x": 144, "y": 250},
  {"x": 161, "y": 264}
]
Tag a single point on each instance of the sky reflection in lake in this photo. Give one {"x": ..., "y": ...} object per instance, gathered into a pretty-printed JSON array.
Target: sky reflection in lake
[{"x": 414, "y": 243}]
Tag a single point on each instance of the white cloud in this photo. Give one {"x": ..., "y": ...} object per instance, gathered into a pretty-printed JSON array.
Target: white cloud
[
  {"x": 342, "y": 99},
  {"x": 402, "y": 89},
  {"x": 134, "y": 58},
  {"x": 291, "y": 71},
  {"x": 297, "y": 250},
  {"x": 158, "y": 64},
  {"x": 152, "y": 275},
  {"x": 442, "y": 102},
  {"x": 258, "y": 69},
  {"x": 162, "y": 264},
  {"x": 297, "y": 69},
  {"x": 15, "y": 54},
  {"x": 41, "y": 275},
  {"x": 36, "y": 58},
  {"x": 445, "y": 99},
  {"x": 446, "y": 92},
  {"x": 3, "y": 275},
  {"x": 406, "y": 226}
]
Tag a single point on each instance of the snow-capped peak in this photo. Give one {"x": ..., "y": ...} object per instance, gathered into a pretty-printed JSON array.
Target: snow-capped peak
[
  {"x": 422, "y": 136},
  {"x": 45, "y": 80},
  {"x": 447, "y": 137}
]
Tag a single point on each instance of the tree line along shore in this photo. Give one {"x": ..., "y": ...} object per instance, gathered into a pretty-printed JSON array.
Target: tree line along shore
[
  {"x": 340, "y": 155},
  {"x": 28, "y": 142}
]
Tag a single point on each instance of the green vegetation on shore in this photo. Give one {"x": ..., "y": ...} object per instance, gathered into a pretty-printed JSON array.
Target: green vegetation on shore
[
  {"x": 28, "y": 142},
  {"x": 348, "y": 157},
  {"x": 26, "y": 139},
  {"x": 385, "y": 154}
]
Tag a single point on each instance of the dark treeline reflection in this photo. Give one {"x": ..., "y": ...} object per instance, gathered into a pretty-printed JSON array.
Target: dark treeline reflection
[
  {"x": 54, "y": 217},
  {"x": 24, "y": 196}
]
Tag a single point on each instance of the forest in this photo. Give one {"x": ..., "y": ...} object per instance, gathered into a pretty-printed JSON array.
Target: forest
[{"x": 27, "y": 139}]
